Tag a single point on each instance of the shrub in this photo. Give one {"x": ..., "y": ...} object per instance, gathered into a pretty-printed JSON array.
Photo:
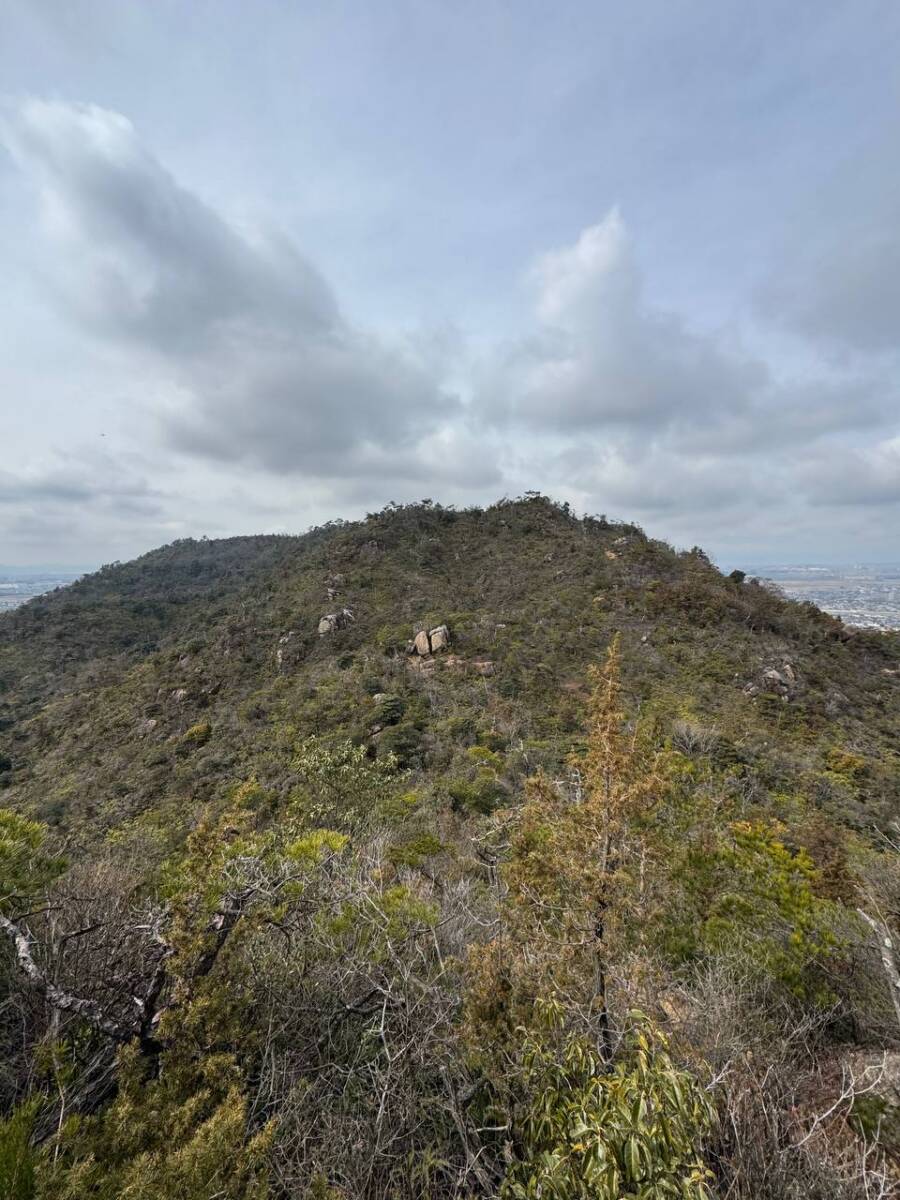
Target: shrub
[
  {"x": 403, "y": 742},
  {"x": 588, "y": 1131},
  {"x": 197, "y": 735}
]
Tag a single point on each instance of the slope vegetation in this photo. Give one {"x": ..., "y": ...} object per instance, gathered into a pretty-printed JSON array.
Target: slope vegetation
[{"x": 583, "y": 896}]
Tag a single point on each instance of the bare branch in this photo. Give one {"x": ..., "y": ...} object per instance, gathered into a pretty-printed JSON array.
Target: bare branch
[{"x": 61, "y": 1000}]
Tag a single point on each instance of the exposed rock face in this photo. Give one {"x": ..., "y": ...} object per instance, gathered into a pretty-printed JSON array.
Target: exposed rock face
[
  {"x": 333, "y": 586},
  {"x": 423, "y": 664},
  {"x": 774, "y": 681},
  {"x": 439, "y": 638},
  {"x": 336, "y": 620},
  {"x": 431, "y": 641},
  {"x": 287, "y": 652}
]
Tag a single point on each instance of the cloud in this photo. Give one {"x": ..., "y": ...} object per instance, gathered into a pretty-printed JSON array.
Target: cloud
[
  {"x": 603, "y": 357},
  {"x": 652, "y": 481},
  {"x": 844, "y": 476},
  {"x": 251, "y": 350},
  {"x": 145, "y": 259},
  {"x": 250, "y": 371},
  {"x": 845, "y": 294},
  {"x": 833, "y": 275},
  {"x": 625, "y": 408},
  {"x": 86, "y": 497}
]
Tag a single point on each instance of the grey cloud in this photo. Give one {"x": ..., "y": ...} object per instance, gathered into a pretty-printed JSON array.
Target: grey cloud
[
  {"x": 791, "y": 416},
  {"x": 649, "y": 481},
  {"x": 152, "y": 262},
  {"x": 845, "y": 294},
  {"x": 836, "y": 278},
  {"x": 638, "y": 414},
  {"x": 606, "y": 360},
  {"x": 89, "y": 479},
  {"x": 867, "y": 476},
  {"x": 266, "y": 370},
  {"x": 86, "y": 499},
  {"x": 612, "y": 401}
]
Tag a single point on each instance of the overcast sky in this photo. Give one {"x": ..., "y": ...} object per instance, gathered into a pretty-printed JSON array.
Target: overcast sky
[{"x": 267, "y": 264}]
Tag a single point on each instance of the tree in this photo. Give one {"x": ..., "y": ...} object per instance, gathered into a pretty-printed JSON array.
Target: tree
[{"x": 576, "y": 855}]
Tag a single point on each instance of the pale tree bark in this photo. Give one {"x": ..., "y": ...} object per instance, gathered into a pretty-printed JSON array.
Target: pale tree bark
[{"x": 58, "y": 998}]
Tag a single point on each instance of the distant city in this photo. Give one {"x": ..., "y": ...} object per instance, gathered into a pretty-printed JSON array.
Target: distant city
[
  {"x": 861, "y": 594},
  {"x": 17, "y": 586}
]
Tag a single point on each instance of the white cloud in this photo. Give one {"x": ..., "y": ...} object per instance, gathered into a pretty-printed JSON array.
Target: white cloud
[{"x": 603, "y": 357}]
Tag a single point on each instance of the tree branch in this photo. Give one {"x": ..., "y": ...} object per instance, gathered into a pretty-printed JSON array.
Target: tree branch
[{"x": 59, "y": 999}]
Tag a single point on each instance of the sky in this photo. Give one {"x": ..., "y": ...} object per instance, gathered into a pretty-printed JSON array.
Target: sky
[{"x": 267, "y": 265}]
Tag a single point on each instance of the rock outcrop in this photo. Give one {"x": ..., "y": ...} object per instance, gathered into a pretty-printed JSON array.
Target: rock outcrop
[
  {"x": 779, "y": 682},
  {"x": 334, "y": 621},
  {"x": 333, "y": 586},
  {"x": 430, "y": 641},
  {"x": 288, "y": 650},
  {"x": 439, "y": 638}
]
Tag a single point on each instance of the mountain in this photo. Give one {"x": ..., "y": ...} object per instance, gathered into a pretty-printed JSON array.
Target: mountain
[{"x": 177, "y": 732}]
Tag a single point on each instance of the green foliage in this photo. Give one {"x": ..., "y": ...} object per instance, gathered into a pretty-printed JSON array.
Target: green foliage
[
  {"x": 401, "y": 744},
  {"x": 92, "y": 671},
  {"x": 877, "y": 1121},
  {"x": 634, "y": 1131},
  {"x": 415, "y": 851},
  {"x": 17, "y": 1160},
  {"x": 768, "y": 906},
  {"x": 412, "y": 880},
  {"x": 388, "y": 711},
  {"x": 338, "y": 785},
  {"x": 482, "y": 788},
  {"x": 180, "y": 1136},
  {"x": 846, "y": 764},
  {"x": 24, "y": 867},
  {"x": 197, "y": 735},
  {"x": 481, "y": 793}
]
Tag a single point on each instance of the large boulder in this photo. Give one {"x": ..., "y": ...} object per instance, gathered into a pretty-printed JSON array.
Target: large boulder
[
  {"x": 774, "y": 681},
  {"x": 439, "y": 638},
  {"x": 430, "y": 641},
  {"x": 334, "y": 621}
]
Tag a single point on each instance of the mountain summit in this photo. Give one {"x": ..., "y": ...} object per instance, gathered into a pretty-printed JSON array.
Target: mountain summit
[{"x": 327, "y": 861}]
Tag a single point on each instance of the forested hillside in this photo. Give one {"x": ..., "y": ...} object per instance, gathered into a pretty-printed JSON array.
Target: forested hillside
[{"x": 446, "y": 854}]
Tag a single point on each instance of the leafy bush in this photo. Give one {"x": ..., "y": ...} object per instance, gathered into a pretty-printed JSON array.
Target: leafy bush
[{"x": 633, "y": 1131}]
